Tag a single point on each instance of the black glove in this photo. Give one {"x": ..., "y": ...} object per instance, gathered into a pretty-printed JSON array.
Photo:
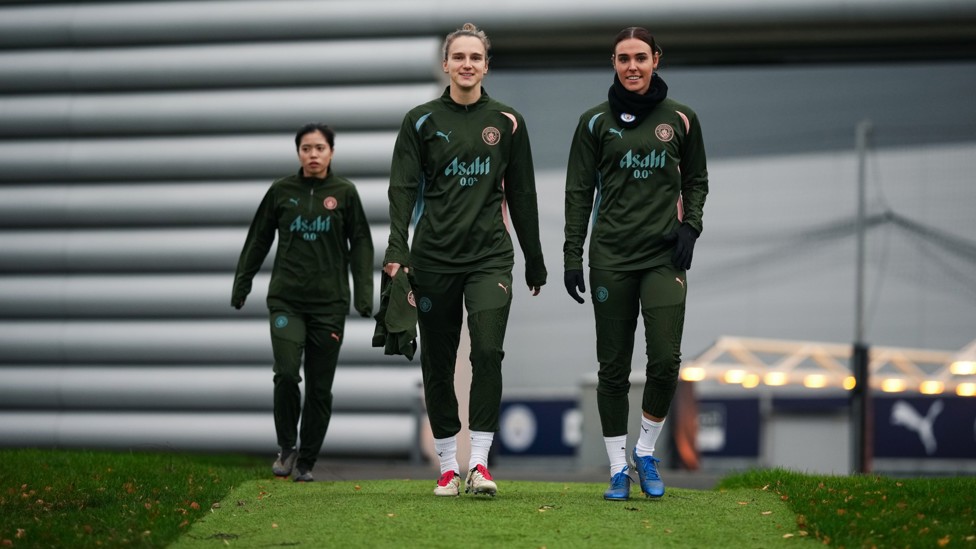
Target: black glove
[
  {"x": 237, "y": 304},
  {"x": 574, "y": 281},
  {"x": 684, "y": 238}
]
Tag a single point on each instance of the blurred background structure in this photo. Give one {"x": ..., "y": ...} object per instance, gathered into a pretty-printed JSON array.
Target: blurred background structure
[{"x": 137, "y": 138}]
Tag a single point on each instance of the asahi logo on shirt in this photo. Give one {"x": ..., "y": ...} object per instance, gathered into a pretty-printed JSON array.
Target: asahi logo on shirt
[
  {"x": 477, "y": 166},
  {"x": 468, "y": 170},
  {"x": 311, "y": 228},
  {"x": 643, "y": 164}
]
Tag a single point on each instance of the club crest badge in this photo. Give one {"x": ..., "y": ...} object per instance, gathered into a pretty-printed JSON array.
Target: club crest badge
[
  {"x": 491, "y": 135},
  {"x": 664, "y": 132},
  {"x": 627, "y": 117},
  {"x": 330, "y": 203},
  {"x": 411, "y": 300}
]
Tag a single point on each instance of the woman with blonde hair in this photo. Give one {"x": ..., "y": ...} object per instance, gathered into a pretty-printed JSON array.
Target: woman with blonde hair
[{"x": 462, "y": 166}]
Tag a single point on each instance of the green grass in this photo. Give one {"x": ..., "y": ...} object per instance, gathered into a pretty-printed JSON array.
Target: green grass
[
  {"x": 873, "y": 511},
  {"x": 101, "y": 499},
  {"x": 104, "y": 499},
  {"x": 404, "y": 513}
]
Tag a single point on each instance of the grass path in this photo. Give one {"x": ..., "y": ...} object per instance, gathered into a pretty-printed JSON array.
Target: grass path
[{"x": 404, "y": 513}]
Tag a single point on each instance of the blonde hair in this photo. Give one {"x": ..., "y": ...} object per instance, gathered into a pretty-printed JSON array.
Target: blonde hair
[{"x": 468, "y": 29}]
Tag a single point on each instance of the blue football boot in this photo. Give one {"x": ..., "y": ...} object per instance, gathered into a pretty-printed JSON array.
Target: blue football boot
[
  {"x": 650, "y": 481},
  {"x": 619, "y": 489}
]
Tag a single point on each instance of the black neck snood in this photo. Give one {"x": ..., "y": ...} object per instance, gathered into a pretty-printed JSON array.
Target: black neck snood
[{"x": 631, "y": 108}]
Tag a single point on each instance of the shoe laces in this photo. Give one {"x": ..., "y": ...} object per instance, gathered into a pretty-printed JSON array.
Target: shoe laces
[
  {"x": 483, "y": 471},
  {"x": 446, "y": 478},
  {"x": 649, "y": 466},
  {"x": 620, "y": 480}
]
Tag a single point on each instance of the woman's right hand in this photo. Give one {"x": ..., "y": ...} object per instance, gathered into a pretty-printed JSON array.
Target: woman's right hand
[{"x": 391, "y": 269}]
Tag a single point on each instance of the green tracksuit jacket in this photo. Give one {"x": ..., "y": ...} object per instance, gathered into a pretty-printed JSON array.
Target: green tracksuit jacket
[
  {"x": 322, "y": 234},
  {"x": 456, "y": 168},
  {"x": 638, "y": 183}
]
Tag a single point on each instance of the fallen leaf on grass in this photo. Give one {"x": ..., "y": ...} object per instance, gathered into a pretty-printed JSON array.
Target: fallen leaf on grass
[
  {"x": 195, "y": 506},
  {"x": 787, "y": 536},
  {"x": 944, "y": 541},
  {"x": 6, "y": 543},
  {"x": 216, "y": 505},
  {"x": 274, "y": 524},
  {"x": 766, "y": 513},
  {"x": 743, "y": 502},
  {"x": 391, "y": 515}
]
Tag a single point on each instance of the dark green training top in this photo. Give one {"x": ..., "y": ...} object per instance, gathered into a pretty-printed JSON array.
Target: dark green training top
[
  {"x": 322, "y": 235},
  {"x": 457, "y": 168},
  {"x": 638, "y": 183}
]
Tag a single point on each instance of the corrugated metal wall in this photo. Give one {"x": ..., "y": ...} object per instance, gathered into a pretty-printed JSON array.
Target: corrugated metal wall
[{"x": 129, "y": 177}]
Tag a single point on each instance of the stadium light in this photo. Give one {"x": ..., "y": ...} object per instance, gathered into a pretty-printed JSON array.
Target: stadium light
[
  {"x": 930, "y": 387},
  {"x": 693, "y": 373},
  {"x": 775, "y": 379},
  {"x": 815, "y": 381},
  {"x": 966, "y": 389},
  {"x": 893, "y": 385},
  {"x": 964, "y": 362},
  {"x": 734, "y": 376},
  {"x": 963, "y": 368}
]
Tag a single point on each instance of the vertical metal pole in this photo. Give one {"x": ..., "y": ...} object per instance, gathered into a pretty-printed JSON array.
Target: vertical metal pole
[{"x": 860, "y": 396}]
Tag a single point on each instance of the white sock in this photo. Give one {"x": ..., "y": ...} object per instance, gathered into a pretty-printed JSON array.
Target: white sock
[
  {"x": 446, "y": 449},
  {"x": 650, "y": 430},
  {"x": 617, "y": 452},
  {"x": 480, "y": 446}
]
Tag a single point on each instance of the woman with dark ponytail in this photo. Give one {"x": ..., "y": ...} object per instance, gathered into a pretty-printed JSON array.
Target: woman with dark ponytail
[{"x": 637, "y": 169}]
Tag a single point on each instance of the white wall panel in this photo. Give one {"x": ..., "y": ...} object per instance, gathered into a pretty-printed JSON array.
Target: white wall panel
[
  {"x": 179, "y": 111},
  {"x": 181, "y": 203},
  {"x": 108, "y": 23},
  {"x": 349, "y": 434},
  {"x": 133, "y": 250},
  {"x": 184, "y": 341},
  {"x": 147, "y": 296},
  {"x": 155, "y": 158},
  {"x": 313, "y": 62},
  {"x": 194, "y": 387}
]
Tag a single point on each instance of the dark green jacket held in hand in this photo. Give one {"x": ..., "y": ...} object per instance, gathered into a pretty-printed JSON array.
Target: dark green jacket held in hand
[
  {"x": 396, "y": 321},
  {"x": 322, "y": 235}
]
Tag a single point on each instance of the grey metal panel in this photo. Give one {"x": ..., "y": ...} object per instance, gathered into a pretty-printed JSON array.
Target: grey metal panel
[
  {"x": 238, "y": 110},
  {"x": 183, "y": 341},
  {"x": 145, "y": 296},
  {"x": 210, "y": 157},
  {"x": 252, "y": 19},
  {"x": 349, "y": 434},
  {"x": 194, "y": 387},
  {"x": 211, "y": 65},
  {"x": 134, "y": 250},
  {"x": 50, "y": 205}
]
